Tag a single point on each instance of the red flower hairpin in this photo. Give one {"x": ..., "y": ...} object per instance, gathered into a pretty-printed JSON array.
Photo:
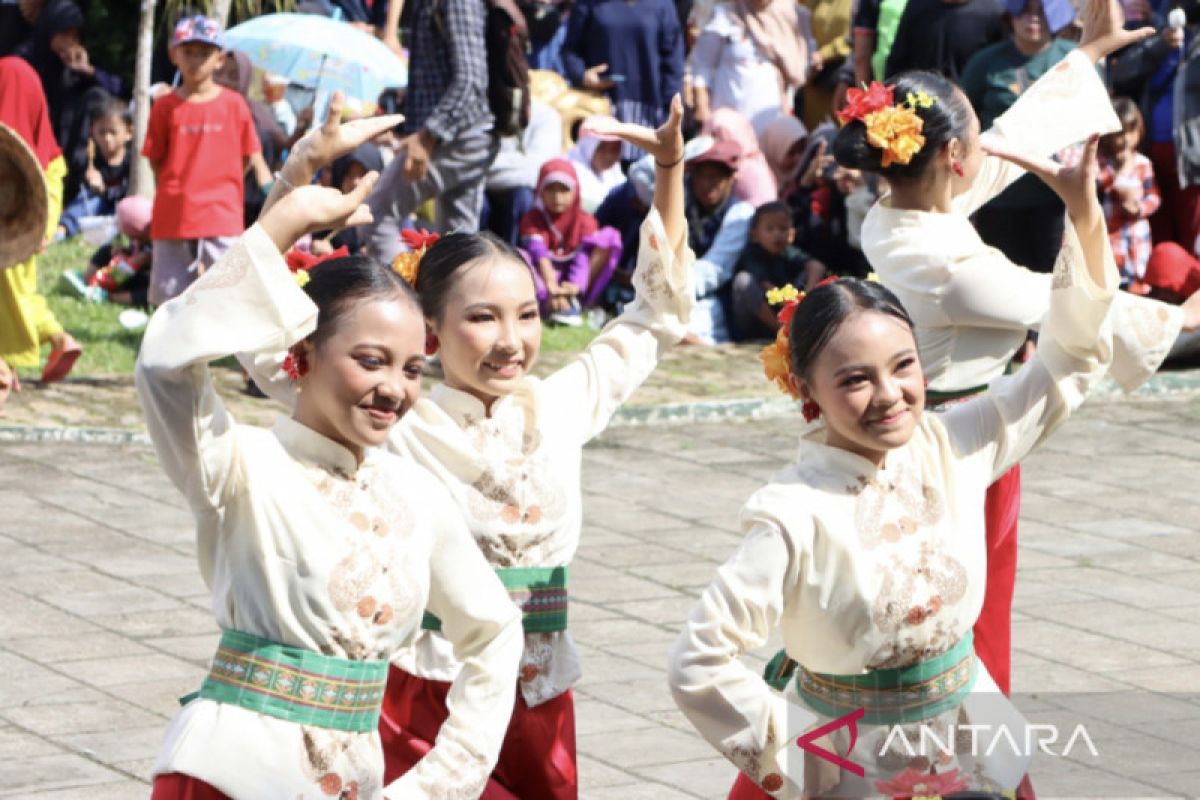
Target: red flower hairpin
[
  {"x": 861, "y": 102},
  {"x": 408, "y": 264}
]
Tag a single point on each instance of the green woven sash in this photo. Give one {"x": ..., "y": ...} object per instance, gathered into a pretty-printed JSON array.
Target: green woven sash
[
  {"x": 540, "y": 593},
  {"x": 933, "y": 399},
  {"x": 895, "y": 696},
  {"x": 294, "y": 684}
]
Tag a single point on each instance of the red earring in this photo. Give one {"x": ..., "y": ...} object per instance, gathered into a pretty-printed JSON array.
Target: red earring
[
  {"x": 958, "y": 169},
  {"x": 431, "y": 343},
  {"x": 295, "y": 365},
  {"x": 810, "y": 410}
]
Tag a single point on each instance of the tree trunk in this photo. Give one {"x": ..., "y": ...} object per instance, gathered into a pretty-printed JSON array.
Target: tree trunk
[
  {"x": 220, "y": 10},
  {"x": 142, "y": 178}
]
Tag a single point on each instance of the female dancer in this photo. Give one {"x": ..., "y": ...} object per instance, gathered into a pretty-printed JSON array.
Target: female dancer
[
  {"x": 868, "y": 551},
  {"x": 321, "y": 550},
  {"x": 509, "y": 448},
  {"x": 971, "y": 306}
]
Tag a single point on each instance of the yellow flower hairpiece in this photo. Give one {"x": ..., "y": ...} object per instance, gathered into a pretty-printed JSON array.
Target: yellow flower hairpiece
[
  {"x": 919, "y": 99},
  {"x": 302, "y": 277}
]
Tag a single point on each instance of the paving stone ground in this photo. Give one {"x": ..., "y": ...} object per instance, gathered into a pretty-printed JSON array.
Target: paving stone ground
[{"x": 106, "y": 620}]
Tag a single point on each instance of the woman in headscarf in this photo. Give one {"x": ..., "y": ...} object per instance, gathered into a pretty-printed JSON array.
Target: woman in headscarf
[
  {"x": 26, "y": 322},
  {"x": 70, "y": 81},
  {"x": 751, "y": 56},
  {"x": 783, "y": 144},
  {"x": 598, "y": 164},
  {"x": 754, "y": 182}
]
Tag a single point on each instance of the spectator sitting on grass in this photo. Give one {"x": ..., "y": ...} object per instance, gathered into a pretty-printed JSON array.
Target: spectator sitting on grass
[
  {"x": 107, "y": 177},
  {"x": 770, "y": 261},
  {"x": 119, "y": 272}
]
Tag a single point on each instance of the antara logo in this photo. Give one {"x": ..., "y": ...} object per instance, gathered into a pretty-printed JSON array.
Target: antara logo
[{"x": 984, "y": 740}]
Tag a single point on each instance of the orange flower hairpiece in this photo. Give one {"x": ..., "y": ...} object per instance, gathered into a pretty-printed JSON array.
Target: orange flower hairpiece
[
  {"x": 895, "y": 128},
  {"x": 408, "y": 264},
  {"x": 776, "y": 357}
]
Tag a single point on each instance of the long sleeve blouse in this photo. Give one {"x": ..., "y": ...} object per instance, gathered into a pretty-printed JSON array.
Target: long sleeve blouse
[
  {"x": 304, "y": 546},
  {"x": 864, "y": 568},
  {"x": 971, "y": 305},
  {"x": 514, "y": 473}
]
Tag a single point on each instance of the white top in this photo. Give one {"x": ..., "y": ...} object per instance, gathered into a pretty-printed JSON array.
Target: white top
[
  {"x": 303, "y": 546},
  {"x": 736, "y": 72},
  {"x": 863, "y": 568},
  {"x": 972, "y": 306},
  {"x": 515, "y": 475},
  {"x": 518, "y": 159}
]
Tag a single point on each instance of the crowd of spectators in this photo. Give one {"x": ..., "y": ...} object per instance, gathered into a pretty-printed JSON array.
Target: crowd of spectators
[{"x": 761, "y": 79}]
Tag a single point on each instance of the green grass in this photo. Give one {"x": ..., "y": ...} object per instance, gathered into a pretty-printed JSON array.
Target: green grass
[{"x": 109, "y": 349}]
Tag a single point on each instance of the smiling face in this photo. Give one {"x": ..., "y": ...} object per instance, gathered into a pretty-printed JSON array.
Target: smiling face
[
  {"x": 1030, "y": 29},
  {"x": 489, "y": 332},
  {"x": 364, "y": 375},
  {"x": 711, "y": 184},
  {"x": 869, "y": 385}
]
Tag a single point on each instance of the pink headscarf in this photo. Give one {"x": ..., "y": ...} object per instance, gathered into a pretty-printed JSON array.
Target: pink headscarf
[
  {"x": 754, "y": 182},
  {"x": 780, "y": 135}
]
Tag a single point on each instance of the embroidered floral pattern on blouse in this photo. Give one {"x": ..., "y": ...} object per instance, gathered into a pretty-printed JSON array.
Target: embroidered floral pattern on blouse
[
  {"x": 747, "y": 757},
  {"x": 911, "y": 595},
  {"x": 1064, "y": 269},
  {"x": 519, "y": 495},
  {"x": 228, "y": 272},
  {"x": 339, "y": 764},
  {"x": 889, "y": 511}
]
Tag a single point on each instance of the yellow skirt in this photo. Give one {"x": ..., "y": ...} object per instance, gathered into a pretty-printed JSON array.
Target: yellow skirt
[{"x": 25, "y": 319}]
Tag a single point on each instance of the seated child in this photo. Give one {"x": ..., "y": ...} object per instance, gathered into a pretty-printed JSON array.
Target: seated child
[
  {"x": 1128, "y": 194},
  {"x": 572, "y": 261},
  {"x": 119, "y": 272},
  {"x": 107, "y": 178},
  {"x": 770, "y": 261},
  {"x": 345, "y": 173}
]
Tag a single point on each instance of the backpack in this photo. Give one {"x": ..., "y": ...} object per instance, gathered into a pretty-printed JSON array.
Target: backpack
[{"x": 506, "y": 36}]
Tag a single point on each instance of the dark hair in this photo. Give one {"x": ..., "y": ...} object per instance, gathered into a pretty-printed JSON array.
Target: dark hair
[
  {"x": 106, "y": 106},
  {"x": 440, "y": 266},
  {"x": 948, "y": 118},
  {"x": 339, "y": 284},
  {"x": 769, "y": 208},
  {"x": 1131, "y": 118},
  {"x": 825, "y": 308}
]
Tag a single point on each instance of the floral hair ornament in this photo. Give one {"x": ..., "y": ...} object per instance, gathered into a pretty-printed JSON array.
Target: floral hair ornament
[
  {"x": 776, "y": 357},
  {"x": 895, "y": 128},
  {"x": 408, "y": 264},
  {"x": 300, "y": 262}
]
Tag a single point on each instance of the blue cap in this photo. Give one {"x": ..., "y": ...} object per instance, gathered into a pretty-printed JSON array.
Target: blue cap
[
  {"x": 1059, "y": 13},
  {"x": 198, "y": 29}
]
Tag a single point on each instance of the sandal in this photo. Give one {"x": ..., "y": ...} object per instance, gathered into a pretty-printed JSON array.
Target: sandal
[{"x": 60, "y": 362}]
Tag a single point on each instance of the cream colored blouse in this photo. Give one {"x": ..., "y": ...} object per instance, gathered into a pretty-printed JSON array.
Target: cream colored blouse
[
  {"x": 515, "y": 474},
  {"x": 972, "y": 306},
  {"x": 302, "y": 545},
  {"x": 865, "y": 568}
]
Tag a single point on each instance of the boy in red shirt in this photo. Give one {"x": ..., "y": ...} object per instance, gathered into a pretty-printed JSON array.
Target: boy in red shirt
[{"x": 199, "y": 142}]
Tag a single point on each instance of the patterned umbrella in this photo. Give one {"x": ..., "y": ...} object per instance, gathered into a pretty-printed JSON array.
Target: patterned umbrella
[{"x": 321, "y": 53}]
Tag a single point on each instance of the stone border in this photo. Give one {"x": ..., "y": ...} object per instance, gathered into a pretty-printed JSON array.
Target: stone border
[{"x": 1174, "y": 385}]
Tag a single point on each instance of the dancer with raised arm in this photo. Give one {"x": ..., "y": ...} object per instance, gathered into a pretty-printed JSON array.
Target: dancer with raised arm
[
  {"x": 321, "y": 550},
  {"x": 971, "y": 307},
  {"x": 868, "y": 552},
  {"x": 509, "y": 447}
]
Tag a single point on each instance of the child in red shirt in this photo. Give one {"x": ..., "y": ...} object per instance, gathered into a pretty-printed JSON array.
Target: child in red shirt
[{"x": 199, "y": 142}]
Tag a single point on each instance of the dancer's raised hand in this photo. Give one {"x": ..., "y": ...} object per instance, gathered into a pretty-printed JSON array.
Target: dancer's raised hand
[
  {"x": 1104, "y": 29},
  {"x": 333, "y": 139},
  {"x": 313, "y": 208},
  {"x": 665, "y": 144}
]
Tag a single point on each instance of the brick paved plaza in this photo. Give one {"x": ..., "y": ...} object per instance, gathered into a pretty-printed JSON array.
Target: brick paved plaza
[{"x": 106, "y": 620}]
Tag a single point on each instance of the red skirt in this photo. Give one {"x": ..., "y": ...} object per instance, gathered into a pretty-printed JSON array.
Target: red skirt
[
  {"x": 177, "y": 786},
  {"x": 537, "y": 759}
]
